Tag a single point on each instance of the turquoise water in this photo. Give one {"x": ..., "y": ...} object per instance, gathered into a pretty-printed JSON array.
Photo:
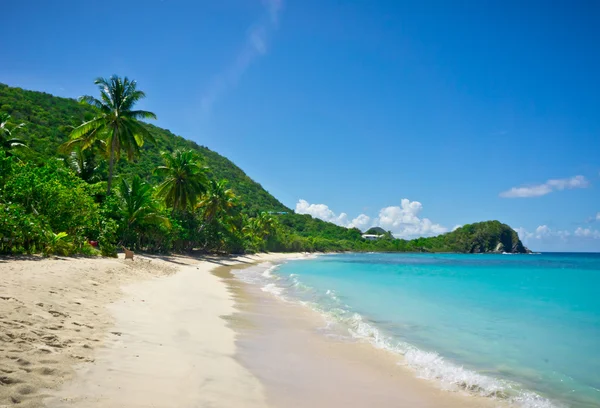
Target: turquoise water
[{"x": 524, "y": 328}]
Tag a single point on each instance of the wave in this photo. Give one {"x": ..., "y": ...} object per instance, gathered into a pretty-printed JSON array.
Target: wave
[{"x": 427, "y": 365}]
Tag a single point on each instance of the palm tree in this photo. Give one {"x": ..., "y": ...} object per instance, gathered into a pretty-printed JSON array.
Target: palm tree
[
  {"x": 7, "y": 141},
  {"x": 266, "y": 223},
  {"x": 257, "y": 229},
  {"x": 138, "y": 207},
  {"x": 185, "y": 179},
  {"x": 83, "y": 162},
  {"x": 116, "y": 122},
  {"x": 218, "y": 201}
]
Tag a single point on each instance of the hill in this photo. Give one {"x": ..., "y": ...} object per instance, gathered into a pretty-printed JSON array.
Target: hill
[
  {"x": 48, "y": 122},
  {"x": 376, "y": 231},
  {"x": 480, "y": 237},
  {"x": 49, "y": 119}
]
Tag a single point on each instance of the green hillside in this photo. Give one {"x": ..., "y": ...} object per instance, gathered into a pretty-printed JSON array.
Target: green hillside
[
  {"x": 49, "y": 119},
  {"x": 47, "y": 206},
  {"x": 480, "y": 237}
]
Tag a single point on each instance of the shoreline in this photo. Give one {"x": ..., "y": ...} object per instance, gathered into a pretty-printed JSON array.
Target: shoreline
[
  {"x": 301, "y": 365},
  {"x": 107, "y": 332},
  {"x": 183, "y": 331}
]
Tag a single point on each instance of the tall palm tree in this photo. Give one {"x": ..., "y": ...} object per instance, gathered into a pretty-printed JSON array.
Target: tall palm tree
[
  {"x": 185, "y": 179},
  {"x": 7, "y": 140},
  {"x": 138, "y": 207},
  {"x": 218, "y": 201},
  {"x": 117, "y": 123}
]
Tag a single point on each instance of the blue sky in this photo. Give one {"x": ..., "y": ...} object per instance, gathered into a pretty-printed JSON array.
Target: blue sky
[{"x": 343, "y": 108}]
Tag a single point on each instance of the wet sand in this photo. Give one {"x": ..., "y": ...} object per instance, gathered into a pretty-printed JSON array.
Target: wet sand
[{"x": 284, "y": 345}]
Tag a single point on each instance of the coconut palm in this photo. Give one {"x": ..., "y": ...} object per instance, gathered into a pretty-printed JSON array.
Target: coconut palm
[
  {"x": 185, "y": 180},
  {"x": 218, "y": 201},
  {"x": 83, "y": 162},
  {"x": 7, "y": 140},
  {"x": 138, "y": 206},
  {"x": 267, "y": 224},
  {"x": 117, "y": 123},
  {"x": 259, "y": 228}
]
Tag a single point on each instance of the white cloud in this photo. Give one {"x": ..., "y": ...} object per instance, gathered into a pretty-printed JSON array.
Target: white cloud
[
  {"x": 598, "y": 217},
  {"x": 403, "y": 220},
  {"x": 587, "y": 233},
  {"x": 544, "y": 238},
  {"x": 546, "y": 188},
  {"x": 543, "y": 232},
  {"x": 322, "y": 212},
  {"x": 255, "y": 46},
  {"x": 362, "y": 222}
]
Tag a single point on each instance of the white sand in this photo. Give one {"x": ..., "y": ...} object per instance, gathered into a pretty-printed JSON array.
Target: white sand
[{"x": 161, "y": 342}]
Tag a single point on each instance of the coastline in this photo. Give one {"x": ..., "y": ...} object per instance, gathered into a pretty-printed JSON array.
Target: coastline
[
  {"x": 183, "y": 331},
  {"x": 301, "y": 365}
]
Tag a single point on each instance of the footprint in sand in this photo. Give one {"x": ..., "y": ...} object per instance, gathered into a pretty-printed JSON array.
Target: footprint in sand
[
  {"x": 56, "y": 313},
  {"x": 25, "y": 389},
  {"x": 49, "y": 337},
  {"x": 46, "y": 370},
  {"x": 10, "y": 299},
  {"x": 22, "y": 362},
  {"x": 6, "y": 380},
  {"x": 23, "y": 322}
]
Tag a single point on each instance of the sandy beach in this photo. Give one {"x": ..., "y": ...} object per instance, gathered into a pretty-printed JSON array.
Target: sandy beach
[
  {"x": 108, "y": 332},
  {"x": 180, "y": 332}
]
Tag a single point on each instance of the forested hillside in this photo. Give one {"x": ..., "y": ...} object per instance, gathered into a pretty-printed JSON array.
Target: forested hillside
[
  {"x": 168, "y": 193},
  {"x": 49, "y": 119}
]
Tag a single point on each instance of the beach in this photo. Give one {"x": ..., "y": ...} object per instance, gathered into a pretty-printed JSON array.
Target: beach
[
  {"x": 185, "y": 332},
  {"x": 102, "y": 332},
  {"x": 303, "y": 362}
]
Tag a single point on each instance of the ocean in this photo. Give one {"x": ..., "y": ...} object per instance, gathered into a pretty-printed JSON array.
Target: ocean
[{"x": 521, "y": 328}]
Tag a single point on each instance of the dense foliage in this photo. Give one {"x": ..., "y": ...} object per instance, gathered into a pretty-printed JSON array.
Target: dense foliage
[
  {"x": 49, "y": 120},
  {"x": 173, "y": 195}
]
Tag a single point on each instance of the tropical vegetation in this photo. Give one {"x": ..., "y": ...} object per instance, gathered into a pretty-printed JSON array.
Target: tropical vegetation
[
  {"x": 115, "y": 122},
  {"x": 65, "y": 188}
]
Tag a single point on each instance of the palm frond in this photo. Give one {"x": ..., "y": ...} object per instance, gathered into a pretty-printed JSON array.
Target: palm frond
[
  {"x": 141, "y": 114},
  {"x": 141, "y": 131},
  {"x": 87, "y": 127},
  {"x": 90, "y": 100}
]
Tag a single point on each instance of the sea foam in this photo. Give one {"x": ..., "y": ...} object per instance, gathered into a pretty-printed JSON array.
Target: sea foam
[{"x": 428, "y": 365}]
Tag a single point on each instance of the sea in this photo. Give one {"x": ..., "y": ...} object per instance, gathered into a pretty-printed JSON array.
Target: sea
[{"x": 524, "y": 329}]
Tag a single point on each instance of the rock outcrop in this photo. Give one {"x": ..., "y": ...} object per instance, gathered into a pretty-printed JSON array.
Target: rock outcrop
[{"x": 486, "y": 237}]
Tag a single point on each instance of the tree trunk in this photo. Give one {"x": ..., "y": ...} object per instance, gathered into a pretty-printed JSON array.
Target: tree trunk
[
  {"x": 206, "y": 222},
  {"x": 110, "y": 172},
  {"x": 111, "y": 163}
]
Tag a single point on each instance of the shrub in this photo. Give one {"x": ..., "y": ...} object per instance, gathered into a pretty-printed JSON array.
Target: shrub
[{"x": 58, "y": 244}]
